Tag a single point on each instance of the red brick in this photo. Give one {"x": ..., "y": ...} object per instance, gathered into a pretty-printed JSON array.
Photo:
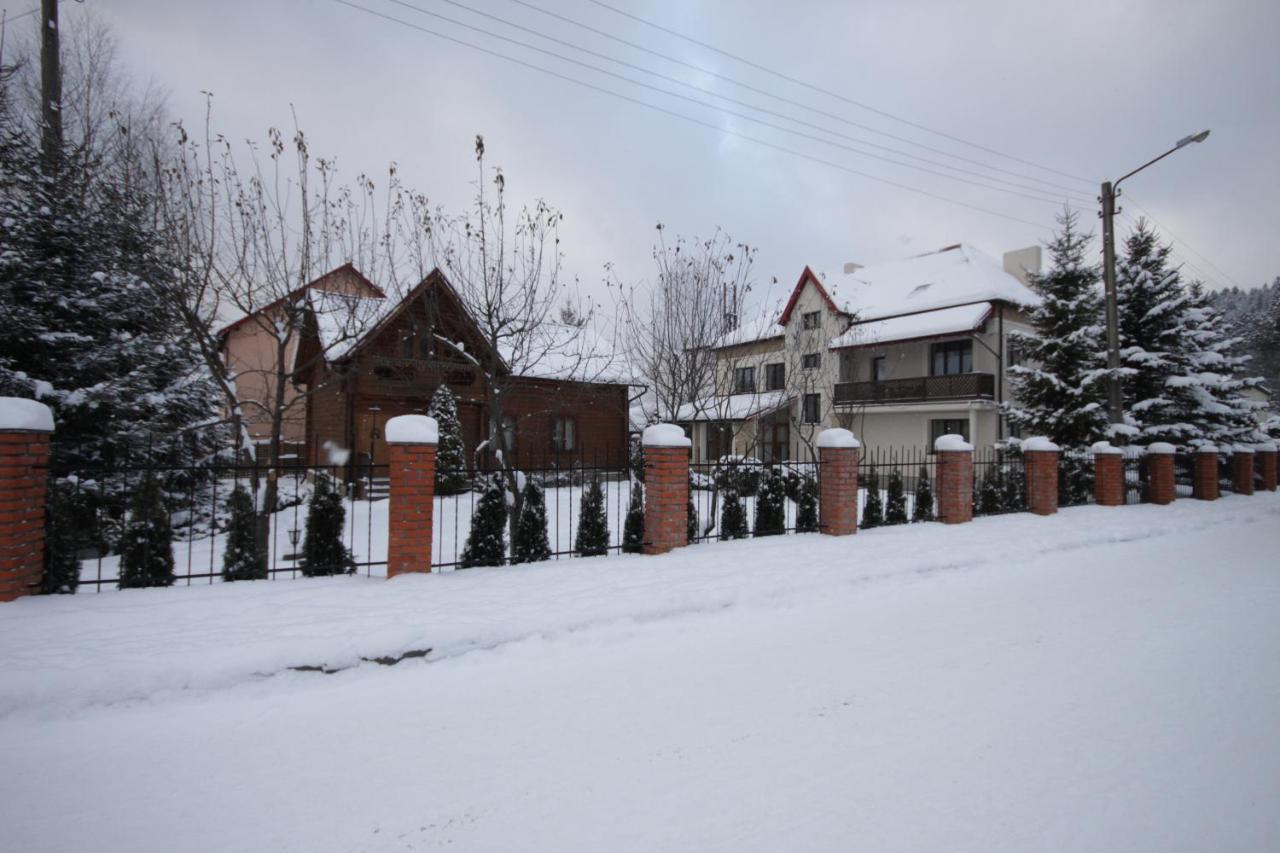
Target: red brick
[
  {"x": 1042, "y": 481},
  {"x": 955, "y": 486},
  {"x": 1160, "y": 477},
  {"x": 1204, "y": 477},
  {"x": 1242, "y": 473},
  {"x": 411, "y": 505}
]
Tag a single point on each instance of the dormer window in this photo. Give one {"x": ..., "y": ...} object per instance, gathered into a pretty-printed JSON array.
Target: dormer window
[{"x": 811, "y": 320}]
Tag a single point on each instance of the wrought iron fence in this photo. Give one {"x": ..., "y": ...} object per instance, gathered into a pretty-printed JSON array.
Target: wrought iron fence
[
  {"x": 1136, "y": 478},
  {"x": 896, "y": 485},
  {"x": 737, "y": 497},
  {"x": 999, "y": 481},
  {"x": 1075, "y": 478}
]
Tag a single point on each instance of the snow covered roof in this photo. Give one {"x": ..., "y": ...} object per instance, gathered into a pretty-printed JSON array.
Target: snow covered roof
[
  {"x": 926, "y": 324},
  {"x": 587, "y": 353},
  {"x": 343, "y": 321},
  {"x": 733, "y": 407},
  {"x": 957, "y": 275},
  {"x": 762, "y": 328}
]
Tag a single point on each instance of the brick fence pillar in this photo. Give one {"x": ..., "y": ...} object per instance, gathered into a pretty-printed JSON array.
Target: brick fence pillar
[
  {"x": 1162, "y": 487},
  {"x": 666, "y": 488},
  {"x": 838, "y": 453},
  {"x": 411, "y": 446},
  {"x": 955, "y": 479},
  {"x": 1204, "y": 478},
  {"x": 25, "y": 428},
  {"x": 1242, "y": 469},
  {"x": 1041, "y": 457},
  {"x": 1267, "y": 465},
  {"x": 1108, "y": 474}
]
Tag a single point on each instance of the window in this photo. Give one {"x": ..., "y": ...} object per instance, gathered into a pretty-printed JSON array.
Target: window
[
  {"x": 812, "y": 408},
  {"x": 564, "y": 434},
  {"x": 719, "y": 440},
  {"x": 879, "y": 369},
  {"x": 811, "y": 360},
  {"x": 848, "y": 366},
  {"x": 744, "y": 380},
  {"x": 948, "y": 426},
  {"x": 508, "y": 433},
  {"x": 811, "y": 320},
  {"x": 1013, "y": 350},
  {"x": 952, "y": 357},
  {"x": 775, "y": 377}
]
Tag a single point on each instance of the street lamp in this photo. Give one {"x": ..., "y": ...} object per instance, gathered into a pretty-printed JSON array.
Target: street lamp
[{"x": 1109, "y": 193}]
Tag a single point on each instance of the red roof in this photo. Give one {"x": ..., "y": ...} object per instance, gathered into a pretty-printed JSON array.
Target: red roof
[
  {"x": 296, "y": 293},
  {"x": 806, "y": 276}
]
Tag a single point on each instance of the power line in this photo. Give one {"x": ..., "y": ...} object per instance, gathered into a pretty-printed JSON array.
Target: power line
[
  {"x": 1179, "y": 257},
  {"x": 9, "y": 20},
  {"x": 735, "y": 114},
  {"x": 1038, "y": 225},
  {"x": 712, "y": 73},
  {"x": 826, "y": 92},
  {"x": 1181, "y": 241},
  {"x": 1070, "y": 195}
]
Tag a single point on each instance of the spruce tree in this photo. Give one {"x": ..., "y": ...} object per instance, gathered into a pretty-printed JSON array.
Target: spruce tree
[
  {"x": 807, "y": 506},
  {"x": 61, "y": 565},
  {"x": 1059, "y": 387},
  {"x": 1215, "y": 376},
  {"x": 873, "y": 509},
  {"x": 990, "y": 495},
  {"x": 895, "y": 511},
  {"x": 487, "y": 541},
  {"x": 691, "y": 518},
  {"x": 451, "y": 458},
  {"x": 592, "y": 539},
  {"x": 323, "y": 552},
  {"x": 923, "y": 509},
  {"x": 733, "y": 517},
  {"x": 771, "y": 504},
  {"x": 146, "y": 557},
  {"x": 633, "y": 527},
  {"x": 244, "y": 559},
  {"x": 531, "y": 545}
]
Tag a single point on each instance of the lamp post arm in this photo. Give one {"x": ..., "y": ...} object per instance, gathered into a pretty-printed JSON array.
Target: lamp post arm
[{"x": 1145, "y": 165}]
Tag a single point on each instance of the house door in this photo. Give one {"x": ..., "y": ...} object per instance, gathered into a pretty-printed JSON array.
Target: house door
[
  {"x": 778, "y": 439},
  {"x": 370, "y": 441}
]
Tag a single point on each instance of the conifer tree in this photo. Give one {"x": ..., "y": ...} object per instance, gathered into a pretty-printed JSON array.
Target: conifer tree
[
  {"x": 592, "y": 539},
  {"x": 1059, "y": 387},
  {"x": 733, "y": 517},
  {"x": 989, "y": 498},
  {"x": 633, "y": 527},
  {"x": 873, "y": 509},
  {"x": 771, "y": 504},
  {"x": 531, "y": 545},
  {"x": 923, "y": 509},
  {"x": 691, "y": 519},
  {"x": 61, "y": 565},
  {"x": 807, "y": 506},
  {"x": 323, "y": 552},
  {"x": 895, "y": 511},
  {"x": 146, "y": 556},
  {"x": 451, "y": 459},
  {"x": 1215, "y": 376},
  {"x": 487, "y": 540},
  {"x": 244, "y": 559}
]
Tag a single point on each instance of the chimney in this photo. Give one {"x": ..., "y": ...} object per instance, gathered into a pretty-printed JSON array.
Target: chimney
[
  {"x": 1023, "y": 263},
  {"x": 850, "y": 268}
]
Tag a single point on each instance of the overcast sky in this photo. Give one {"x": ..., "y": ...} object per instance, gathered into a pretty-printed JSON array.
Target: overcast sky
[{"x": 1091, "y": 89}]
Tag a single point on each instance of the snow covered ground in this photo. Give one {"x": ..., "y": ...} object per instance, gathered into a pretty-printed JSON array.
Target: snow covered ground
[{"x": 1102, "y": 680}]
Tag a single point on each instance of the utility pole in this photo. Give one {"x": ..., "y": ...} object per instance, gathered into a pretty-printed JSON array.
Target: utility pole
[
  {"x": 1115, "y": 406},
  {"x": 50, "y": 88}
]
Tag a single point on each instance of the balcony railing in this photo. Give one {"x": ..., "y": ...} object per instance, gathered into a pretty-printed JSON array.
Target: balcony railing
[{"x": 918, "y": 389}]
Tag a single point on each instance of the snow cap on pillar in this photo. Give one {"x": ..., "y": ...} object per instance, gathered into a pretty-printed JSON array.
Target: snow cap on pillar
[
  {"x": 1207, "y": 448},
  {"x": 1266, "y": 447},
  {"x": 412, "y": 429},
  {"x": 1242, "y": 448},
  {"x": 21, "y": 414},
  {"x": 951, "y": 441},
  {"x": 1106, "y": 448},
  {"x": 664, "y": 435},
  {"x": 838, "y": 437},
  {"x": 1162, "y": 448},
  {"x": 1040, "y": 443}
]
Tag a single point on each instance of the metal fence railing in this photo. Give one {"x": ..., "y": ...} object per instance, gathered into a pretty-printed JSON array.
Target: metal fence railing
[
  {"x": 896, "y": 485},
  {"x": 735, "y": 497},
  {"x": 999, "y": 481}
]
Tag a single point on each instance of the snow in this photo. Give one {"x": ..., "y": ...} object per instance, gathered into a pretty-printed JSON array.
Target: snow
[
  {"x": 960, "y": 275},
  {"x": 343, "y": 320},
  {"x": 664, "y": 435},
  {"x": 413, "y": 429},
  {"x": 1106, "y": 448},
  {"x": 761, "y": 328},
  {"x": 1207, "y": 448},
  {"x": 951, "y": 441},
  {"x": 1040, "y": 443},
  {"x": 1242, "y": 448},
  {"x": 926, "y": 324},
  {"x": 732, "y": 407},
  {"x": 1161, "y": 448},
  {"x": 1102, "y": 679},
  {"x": 19, "y": 413},
  {"x": 1266, "y": 447},
  {"x": 837, "y": 437}
]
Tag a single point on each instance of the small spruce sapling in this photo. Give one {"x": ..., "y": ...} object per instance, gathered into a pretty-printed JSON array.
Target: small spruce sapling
[
  {"x": 733, "y": 518},
  {"x": 531, "y": 545},
  {"x": 322, "y": 550},
  {"x": 633, "y": 527},
  {"x": 61, "y": 566},
  {"x": 990, "y": 496},
  {"x": 807, "y": 506},
  {"x": 487, "y": 540},
  {"x": 691, "y": 518},
  {"x": 146, "y": 556},
  {"x": 771, "y": 503},
  {"x": 244, "y": 559},
  {"x": 451, "y": 460},
  {"x": 592, "y": 539},
  {"x": 873, "y": 510},
  {"x": 923, "y": 510},
  {"x": 895, "y": 511}
]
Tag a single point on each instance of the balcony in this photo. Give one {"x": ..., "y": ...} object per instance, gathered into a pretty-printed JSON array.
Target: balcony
[{"x": 917, "y": 389}]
